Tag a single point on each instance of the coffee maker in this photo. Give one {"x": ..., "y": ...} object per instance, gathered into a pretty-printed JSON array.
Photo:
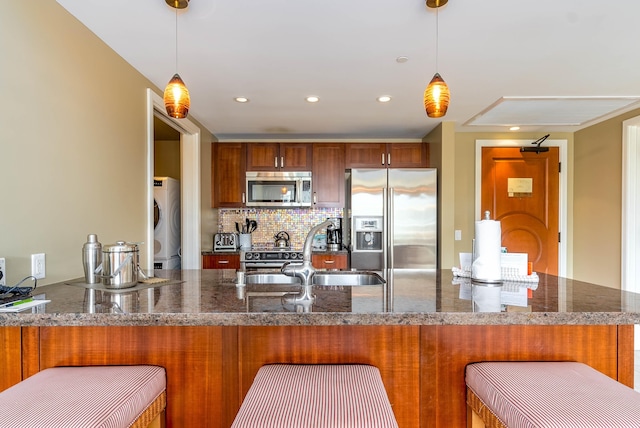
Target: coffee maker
[{"x": 334, "y": 234}]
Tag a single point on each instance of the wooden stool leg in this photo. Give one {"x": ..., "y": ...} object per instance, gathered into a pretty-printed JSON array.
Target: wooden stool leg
[
  {"x": 158, "y": 421},
  {"x": 473, "y": 419}
]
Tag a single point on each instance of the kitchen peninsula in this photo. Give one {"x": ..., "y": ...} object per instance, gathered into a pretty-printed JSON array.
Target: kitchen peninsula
[{"x": 212, "y": 336}]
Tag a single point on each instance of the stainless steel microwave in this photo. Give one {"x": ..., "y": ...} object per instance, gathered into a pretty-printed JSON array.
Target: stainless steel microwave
[{"x": 279, "y": 189}]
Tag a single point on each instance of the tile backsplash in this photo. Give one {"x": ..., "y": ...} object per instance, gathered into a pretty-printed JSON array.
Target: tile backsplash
[{"x": 296, "y": 222}]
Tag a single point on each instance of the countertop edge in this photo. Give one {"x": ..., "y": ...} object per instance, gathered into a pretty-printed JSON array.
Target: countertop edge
[{"x": 320, "y": 319}]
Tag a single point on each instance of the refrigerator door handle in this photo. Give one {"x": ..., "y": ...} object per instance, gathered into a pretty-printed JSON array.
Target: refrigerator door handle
[
  {"x": 385, "y": 226},
  {"x": 391, "y": 233}
]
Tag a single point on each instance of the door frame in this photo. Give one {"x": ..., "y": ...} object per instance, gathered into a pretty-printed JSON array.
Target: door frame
[
  {"x": 630, "y": 240},
  {"x": 189, "y": 184},
  {"x": 562, "y": 191}
]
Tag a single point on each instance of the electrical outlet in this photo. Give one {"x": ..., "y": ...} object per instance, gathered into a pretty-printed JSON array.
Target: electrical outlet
[
  {"x": 38, "y": 265},
  {"x": 3, "y": 272}
]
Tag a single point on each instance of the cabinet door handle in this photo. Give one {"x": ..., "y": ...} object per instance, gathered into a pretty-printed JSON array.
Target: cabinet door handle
[
  {"x": 275, "y": 161},
  {"x": 315, "y": 198},
  {"x": 329, "y": 262},
  {"x": 223, "y": 262},
  {"x": 388, "y": 158},
  {"x": 243, "y": 197},
  {"x": 382, "y": 159},
  {"x": 281, "y": 161}
]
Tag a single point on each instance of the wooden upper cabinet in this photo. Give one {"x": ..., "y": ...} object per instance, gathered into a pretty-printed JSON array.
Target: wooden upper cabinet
[
  {"x": 387, "y": 155},
  {"x": 365, "y": 155},
  {"x": 407, "y": 155},
  {"x": 228, "y": 174},
  {"x": 328, "y": 175},
  {"x": 279, "y": 156}
]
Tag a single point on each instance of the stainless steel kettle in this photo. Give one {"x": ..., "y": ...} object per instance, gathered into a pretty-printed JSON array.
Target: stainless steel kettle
[{"x": 282, "y": 239}]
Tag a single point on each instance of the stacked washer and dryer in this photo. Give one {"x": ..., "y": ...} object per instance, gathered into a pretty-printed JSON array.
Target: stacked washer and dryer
[{"x": 166, "y": 219}]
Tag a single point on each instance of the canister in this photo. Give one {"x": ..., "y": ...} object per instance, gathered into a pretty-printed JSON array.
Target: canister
[{"x": 120, "y": 265}]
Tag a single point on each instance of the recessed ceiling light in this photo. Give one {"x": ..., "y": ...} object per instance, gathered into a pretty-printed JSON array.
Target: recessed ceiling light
[
  {"x": 241, "y": 99},
  {"x": 514, "y": 128},
  {"x": 312, "y": 99},
  {"x": 402, "y": 59},
  {"x": 384, "y": 99}
]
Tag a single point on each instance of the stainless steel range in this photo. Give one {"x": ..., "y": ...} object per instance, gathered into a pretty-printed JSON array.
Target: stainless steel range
[{"x": 274, "y": 258}]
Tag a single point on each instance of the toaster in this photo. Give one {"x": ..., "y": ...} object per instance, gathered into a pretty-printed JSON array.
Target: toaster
[{"x": 225, "y": 242}]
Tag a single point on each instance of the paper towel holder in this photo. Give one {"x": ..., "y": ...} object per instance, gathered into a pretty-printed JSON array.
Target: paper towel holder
[{"x": 483, "y": 281}]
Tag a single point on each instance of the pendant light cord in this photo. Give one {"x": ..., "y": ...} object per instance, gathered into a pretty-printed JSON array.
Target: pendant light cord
[
  {"x": 437, "y": 33},
  {"x": 176, "y": 7}
]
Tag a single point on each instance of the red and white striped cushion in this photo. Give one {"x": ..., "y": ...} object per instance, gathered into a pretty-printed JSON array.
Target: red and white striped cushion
[
  {"x": 553, "y": 395},
  {"x": 78, "y": 397},
  {"x": 318, "y": 396}
]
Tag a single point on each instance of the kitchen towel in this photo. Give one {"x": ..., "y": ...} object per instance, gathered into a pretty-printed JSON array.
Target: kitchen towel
[{"x": 488, "y": 251}]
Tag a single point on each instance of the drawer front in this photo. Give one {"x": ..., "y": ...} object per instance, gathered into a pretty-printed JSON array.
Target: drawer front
[
  {"x": 221, "y": 261},
  {"x": 329, "y": 261}
]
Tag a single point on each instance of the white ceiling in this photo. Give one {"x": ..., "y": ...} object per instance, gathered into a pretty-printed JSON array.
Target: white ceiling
[{"x": 491, "y": 54}]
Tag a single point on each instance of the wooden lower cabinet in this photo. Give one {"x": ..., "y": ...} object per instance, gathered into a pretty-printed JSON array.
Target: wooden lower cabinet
[
  {"x": 393, "y": 349},
  {"x": 198, "y": 389},
  {"x": 330, "y": 261},
  {"x": 210, "y": 368},
  {"x": 10, "y": 357},
  {"x": 221, "y": 261},
  {"x": 446, "y": 350}
]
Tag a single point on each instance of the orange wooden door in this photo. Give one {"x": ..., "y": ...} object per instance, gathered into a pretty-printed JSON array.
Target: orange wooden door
[{"x": 521, "y": 190}]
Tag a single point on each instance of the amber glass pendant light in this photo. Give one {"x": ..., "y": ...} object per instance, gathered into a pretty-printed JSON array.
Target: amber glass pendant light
[
  {"x": 176, "y": 94},
  {"x": 436, "y": 96}
]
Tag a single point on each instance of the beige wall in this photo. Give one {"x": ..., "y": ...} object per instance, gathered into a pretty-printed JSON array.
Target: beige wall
[
  {"x": 166, "y": 158},
  {"x": 598, "y": 202},
  {"x": 73, "y": 141},
  {"x": 442, "y": 156},
  {"x": 208, "y": 215}
]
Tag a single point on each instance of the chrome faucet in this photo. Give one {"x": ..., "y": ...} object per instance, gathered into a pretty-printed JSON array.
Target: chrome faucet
[{"x": 304, "y": 270}]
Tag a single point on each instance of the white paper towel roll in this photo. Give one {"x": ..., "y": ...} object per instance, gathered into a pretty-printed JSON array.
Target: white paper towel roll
[{"x": 488, "y": 248}]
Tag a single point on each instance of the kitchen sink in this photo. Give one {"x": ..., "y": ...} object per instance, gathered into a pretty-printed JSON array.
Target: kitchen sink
[
  {"x": 274, "y": 278},
  {"x": 320, "y": 278},
  {"x": 347, "y": 278}
]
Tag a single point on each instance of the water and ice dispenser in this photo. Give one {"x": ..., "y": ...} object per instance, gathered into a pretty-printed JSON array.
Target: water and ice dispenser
[
  {"x": 368, "y": 243},
  {"x": 368, "y": 232}
]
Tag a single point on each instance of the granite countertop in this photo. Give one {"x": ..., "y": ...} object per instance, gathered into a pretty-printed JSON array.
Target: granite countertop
[{"x": 210, "y": 297}]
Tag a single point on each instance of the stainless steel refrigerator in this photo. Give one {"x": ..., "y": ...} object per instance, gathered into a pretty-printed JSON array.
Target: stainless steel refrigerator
[{"x": 394, "y": 219}]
